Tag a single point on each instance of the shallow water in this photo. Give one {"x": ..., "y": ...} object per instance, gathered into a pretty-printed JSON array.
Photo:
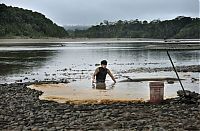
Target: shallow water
[
  {"x": 76, "y": 62},
  {"x": 83, "y": 90}
]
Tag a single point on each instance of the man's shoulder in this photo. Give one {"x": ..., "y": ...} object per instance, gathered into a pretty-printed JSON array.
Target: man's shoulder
[
  {"x": 97, "y": 68},
  {"x": 107, "y": 69}
]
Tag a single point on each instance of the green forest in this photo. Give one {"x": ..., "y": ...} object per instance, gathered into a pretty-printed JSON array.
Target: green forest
[
  {"x": 180, "y": 27},
  {"x": 18, "y": 22}
]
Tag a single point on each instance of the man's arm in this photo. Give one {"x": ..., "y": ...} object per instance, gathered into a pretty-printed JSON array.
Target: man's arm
[
  {"x": 94, "y": 74},
  {"x": 111, "y": 75}
]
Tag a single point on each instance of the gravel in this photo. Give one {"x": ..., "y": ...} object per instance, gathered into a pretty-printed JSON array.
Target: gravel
[{"x": 21, "y": 109}]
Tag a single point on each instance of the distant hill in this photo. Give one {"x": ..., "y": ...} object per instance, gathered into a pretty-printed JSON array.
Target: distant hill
[
  {"x": 18, "y": 22},
  {"x": 180, "y": 27}
]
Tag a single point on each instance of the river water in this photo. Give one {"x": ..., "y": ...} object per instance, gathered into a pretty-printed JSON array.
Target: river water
[{"x": 77, "y": 62}]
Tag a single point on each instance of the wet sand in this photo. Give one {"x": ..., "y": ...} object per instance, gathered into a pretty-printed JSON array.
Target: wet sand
[{"x": 66, "y": 93}]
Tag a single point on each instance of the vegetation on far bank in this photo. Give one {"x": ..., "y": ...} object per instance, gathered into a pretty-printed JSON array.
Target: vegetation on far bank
[
  {"x": 21, "y": 23},
  {"x": 180, "y": 27}
]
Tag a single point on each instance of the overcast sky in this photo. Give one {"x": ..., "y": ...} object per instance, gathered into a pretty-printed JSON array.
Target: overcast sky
[{"x": 85, "y": 12}]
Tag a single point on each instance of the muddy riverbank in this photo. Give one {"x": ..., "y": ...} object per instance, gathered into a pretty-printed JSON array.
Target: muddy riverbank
[
  {"x": 191, "y": 68},
  {"x": 21, "y": 109}
]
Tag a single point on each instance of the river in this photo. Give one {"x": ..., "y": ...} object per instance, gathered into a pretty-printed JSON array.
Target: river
[{"x": 77, "y": 62}]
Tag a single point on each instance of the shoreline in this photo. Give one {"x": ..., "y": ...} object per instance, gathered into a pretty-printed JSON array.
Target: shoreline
[
  {"x": 97, "y": 40},
  {"x": 21, "y": 109},
  {"x": 142, "y": 43}
]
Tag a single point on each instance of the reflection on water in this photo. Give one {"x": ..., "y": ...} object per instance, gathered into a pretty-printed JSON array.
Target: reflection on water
[
  {"x": 14, "y": 62},
  {"x": 103, "y": 86},
  {"x": 76, "y": 62},
  {"x": 100, "y": 86}
]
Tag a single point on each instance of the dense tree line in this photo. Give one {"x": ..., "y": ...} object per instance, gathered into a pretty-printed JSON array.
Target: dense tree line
[
  {"x": 180, "y": 27},
  {"x": 18, "y": 22}
]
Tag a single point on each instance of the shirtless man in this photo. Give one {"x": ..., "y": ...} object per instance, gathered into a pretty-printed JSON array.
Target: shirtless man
[{"x": 101, "y": 72}]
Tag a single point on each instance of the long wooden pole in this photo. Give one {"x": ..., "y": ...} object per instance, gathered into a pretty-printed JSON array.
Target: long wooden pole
[{"x": 176, "y": 73}]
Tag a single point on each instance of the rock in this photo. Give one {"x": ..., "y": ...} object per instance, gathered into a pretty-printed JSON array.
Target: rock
[
  {"x": 170, "y": 81},
  {"x": 18, "y": 80},
  {"x": 63, "y": 81},
  {"x": 26, "y": 78},
  {"x": 186, "y": 112},
  {"x": 141, "y": 122},
  {"x": 97, "y": 64},
  {"x": 107, "y": 123},
  {"x": 191, "y": 128},
  {"x": 194, "y": 79},
  {"x": 64, "y": 69},
  {"x": 126, "y": 114},
  {"x": 59, "y": 128},
  {"x": 117, "y": 125},
  {"x": 189, "y": 98},
  {"x": 35, "y": 129},
  {"x": 36, "y": 81}
]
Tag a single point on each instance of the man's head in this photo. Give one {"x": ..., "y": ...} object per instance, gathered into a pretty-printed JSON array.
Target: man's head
[{"x": 104, "y": 63}]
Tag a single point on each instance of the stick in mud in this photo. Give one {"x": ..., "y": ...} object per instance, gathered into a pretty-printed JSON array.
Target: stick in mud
[{"x": 176, "y": 73}]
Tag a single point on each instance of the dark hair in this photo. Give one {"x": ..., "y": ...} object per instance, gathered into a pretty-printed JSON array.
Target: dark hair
[{"x": 103, "y": 62}]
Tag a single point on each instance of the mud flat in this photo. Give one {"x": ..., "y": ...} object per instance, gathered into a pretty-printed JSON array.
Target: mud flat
[
  {"x": 182, "y": 43},
  {"x": 191, "y": 68},
  {"x": 21, "y": 109},
  {"x": 174, "y": 46}
]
